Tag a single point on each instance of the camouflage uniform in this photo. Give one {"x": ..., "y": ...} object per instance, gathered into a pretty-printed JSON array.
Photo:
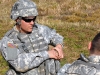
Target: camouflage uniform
[
  {"x": 27, "y": 53},
  {"x": 82, "y": 66}
]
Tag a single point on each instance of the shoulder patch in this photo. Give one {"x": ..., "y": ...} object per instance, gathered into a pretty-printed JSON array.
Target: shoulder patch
[{"x": 11, "y": 45}]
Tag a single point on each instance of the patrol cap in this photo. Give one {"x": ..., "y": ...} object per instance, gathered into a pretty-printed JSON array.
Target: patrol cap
[{"x": 23, "y": 8}]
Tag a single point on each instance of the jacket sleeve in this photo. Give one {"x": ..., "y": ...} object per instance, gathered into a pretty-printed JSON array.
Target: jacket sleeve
[
  {"x": 63, "y": 70},
  {"x": 50, "y": 35},
  {"x": 21, "y": 61}
]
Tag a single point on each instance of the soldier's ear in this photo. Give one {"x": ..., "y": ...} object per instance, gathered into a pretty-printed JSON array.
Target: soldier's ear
[
  {"x": 18, "y": 22},
  {"x": 89, "y": 45}
]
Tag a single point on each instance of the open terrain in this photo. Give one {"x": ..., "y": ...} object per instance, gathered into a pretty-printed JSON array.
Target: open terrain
[{"x": 78, "y": 21}]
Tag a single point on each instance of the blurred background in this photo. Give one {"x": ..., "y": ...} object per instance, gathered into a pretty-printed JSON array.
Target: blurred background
[{"x": 78, "y": 21}]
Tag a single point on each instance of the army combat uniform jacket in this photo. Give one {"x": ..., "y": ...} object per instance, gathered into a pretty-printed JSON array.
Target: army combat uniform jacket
[
  {"x": 82, "y": 66},
  {"x": 27, "y": 53}
]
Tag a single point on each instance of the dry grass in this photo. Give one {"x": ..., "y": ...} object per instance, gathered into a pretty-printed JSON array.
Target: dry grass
[{"x": 76, "y": 20}]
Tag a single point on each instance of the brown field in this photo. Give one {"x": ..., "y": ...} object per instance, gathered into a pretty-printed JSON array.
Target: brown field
[{"x": 78, "y": 21}]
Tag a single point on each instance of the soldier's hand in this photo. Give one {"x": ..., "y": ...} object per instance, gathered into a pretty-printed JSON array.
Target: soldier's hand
[
  {"x": 53, "y": 54},
  {"x": 58, "y": 48}
]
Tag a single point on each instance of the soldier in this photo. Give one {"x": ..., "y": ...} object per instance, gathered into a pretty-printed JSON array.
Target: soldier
[
  {"x": 26, "y": 46},
  {"x": 85, "y": 66}
]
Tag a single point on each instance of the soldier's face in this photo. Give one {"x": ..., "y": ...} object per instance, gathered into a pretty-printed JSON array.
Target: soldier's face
[{"x": 27, "y": 24}]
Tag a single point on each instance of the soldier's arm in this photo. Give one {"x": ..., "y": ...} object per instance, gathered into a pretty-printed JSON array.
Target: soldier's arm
[
  {"x": 21, "y": 61},
  {"x": 63, "y": 70},
  {"x": 52, "y": 38},
  {"x": 57, "y": 41}
]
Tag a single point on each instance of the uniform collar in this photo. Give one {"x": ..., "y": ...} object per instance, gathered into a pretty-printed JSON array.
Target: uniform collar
[{"x": 94, "y": 58}]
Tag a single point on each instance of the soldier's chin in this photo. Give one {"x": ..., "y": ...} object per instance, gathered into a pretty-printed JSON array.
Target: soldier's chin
[{"x": 29, "y": 31}]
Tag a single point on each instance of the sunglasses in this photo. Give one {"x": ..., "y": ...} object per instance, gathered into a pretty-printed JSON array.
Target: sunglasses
[{"x": 28, "y": 20}]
